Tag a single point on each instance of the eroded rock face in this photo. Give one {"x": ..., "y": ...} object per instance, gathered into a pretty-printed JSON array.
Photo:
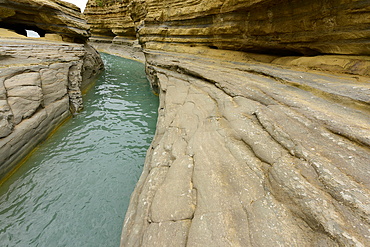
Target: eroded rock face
[
  {"x": 110, "y": 20},
  {"x": 40, "y": 85},
  {"x": 247, "y": 152},
  {"x": 45, "y": 17},
  {"x": 40, "y": 79},
  {"x": 250, "y": 154},
  {"x": 277, "y": 27},
  {"x": 24, "y": 94}
]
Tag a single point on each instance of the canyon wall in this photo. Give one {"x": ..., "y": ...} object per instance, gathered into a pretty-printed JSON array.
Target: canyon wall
[
  {"x": 112, "y": 28},
  {"x": 40, "y": 78},
  {"x": 265, "y": 26},
  {"x": 110, "y": 20},
  {"x": 263, "y": 134},
  {"x": 291, "y": 29}
]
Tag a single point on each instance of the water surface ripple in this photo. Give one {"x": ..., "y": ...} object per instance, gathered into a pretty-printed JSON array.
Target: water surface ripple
[{"x": 75, "y": 188}]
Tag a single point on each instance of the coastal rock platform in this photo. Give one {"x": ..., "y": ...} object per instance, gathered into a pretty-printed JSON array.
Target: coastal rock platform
[{"x": 253, "y": 154}]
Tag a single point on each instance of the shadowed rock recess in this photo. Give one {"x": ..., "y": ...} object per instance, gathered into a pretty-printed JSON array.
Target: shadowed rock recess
[
  {"x": 263, "y": 132},
  {"x": 40, "y": 79}
]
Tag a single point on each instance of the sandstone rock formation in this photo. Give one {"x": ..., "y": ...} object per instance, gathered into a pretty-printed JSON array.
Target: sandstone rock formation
[
  {"x": 279, "y": 27},
  {"x": 248, "y": 152},
  {"x": 128, "y": 50},
  {"x": 112, "y": 28},
  {"x": 40, "y": 80},
  {"x": 110, "y": 19},
  {"x": 44, "y": 16}
]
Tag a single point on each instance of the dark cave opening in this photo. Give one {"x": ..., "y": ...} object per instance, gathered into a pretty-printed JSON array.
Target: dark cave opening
[{"x": 22, "y": 29}]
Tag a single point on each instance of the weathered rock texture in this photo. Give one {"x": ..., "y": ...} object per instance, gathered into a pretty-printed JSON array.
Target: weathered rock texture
[
  {"x": 44, "y": 16},
  {"x": 129, "y": 50},
  {"x": 40, "y": 85},
  {"x": 112, "y": 28},
  {"x": 110, "y": 19},
  {"x": 312, "y": 27},
  {"x": 277, "y": 28},
  {"x": 249, "y": 153}
]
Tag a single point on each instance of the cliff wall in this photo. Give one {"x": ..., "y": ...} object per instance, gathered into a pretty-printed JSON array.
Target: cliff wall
[
  {"x": 263, "y": 130},
  {"x": 265, "y": 26},
  {"x": 291, "y": 32},
  {"x": 109, "y": 20},
  {"x": 40, "y": 79}
]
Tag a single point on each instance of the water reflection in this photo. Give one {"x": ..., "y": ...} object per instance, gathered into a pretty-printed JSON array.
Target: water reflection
[{"x": 74, "y": 190}]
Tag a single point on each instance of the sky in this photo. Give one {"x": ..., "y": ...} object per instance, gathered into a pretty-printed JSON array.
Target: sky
[{"x": 79, "y": 3}]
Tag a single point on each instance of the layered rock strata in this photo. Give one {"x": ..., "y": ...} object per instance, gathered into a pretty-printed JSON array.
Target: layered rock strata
[
  {"x": 250, "y": 154},
  {"x": 112, "y": 28},
  {"x": 291, "y": 29},
  {"x": 130, "y": 50},
  {"x": 278, "y": 27},
  {"x": 45, "y": 17},
  {"x": 252, "y": 149},
  {"x": 40, "y": 80},
  {"x": 110, "y": 21},
  {"x": 40, "y": 85}
]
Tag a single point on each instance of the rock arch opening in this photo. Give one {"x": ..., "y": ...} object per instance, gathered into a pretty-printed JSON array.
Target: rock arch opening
[{"x": 24, "y": 29}]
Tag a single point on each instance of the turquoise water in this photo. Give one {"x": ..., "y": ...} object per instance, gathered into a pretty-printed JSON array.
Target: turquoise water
[{"x": 75, "y": 188}]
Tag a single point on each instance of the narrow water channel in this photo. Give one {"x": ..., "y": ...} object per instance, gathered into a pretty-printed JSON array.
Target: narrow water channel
[{"x": 74, "y": 190}]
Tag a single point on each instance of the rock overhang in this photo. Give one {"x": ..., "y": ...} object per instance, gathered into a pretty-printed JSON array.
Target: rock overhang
[{"x": 45, "y": 17}]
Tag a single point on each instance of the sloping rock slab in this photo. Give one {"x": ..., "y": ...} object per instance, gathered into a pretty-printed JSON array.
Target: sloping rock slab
[{"x": 249, "y": 154}]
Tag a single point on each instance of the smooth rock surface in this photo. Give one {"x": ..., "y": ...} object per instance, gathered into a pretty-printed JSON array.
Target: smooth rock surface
[
  {"x": 253, "y": 149},
  {"x": 250, "y": 154},
  {"x": 40, "y": 85},
  {"x": 130, "y": 51}
]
